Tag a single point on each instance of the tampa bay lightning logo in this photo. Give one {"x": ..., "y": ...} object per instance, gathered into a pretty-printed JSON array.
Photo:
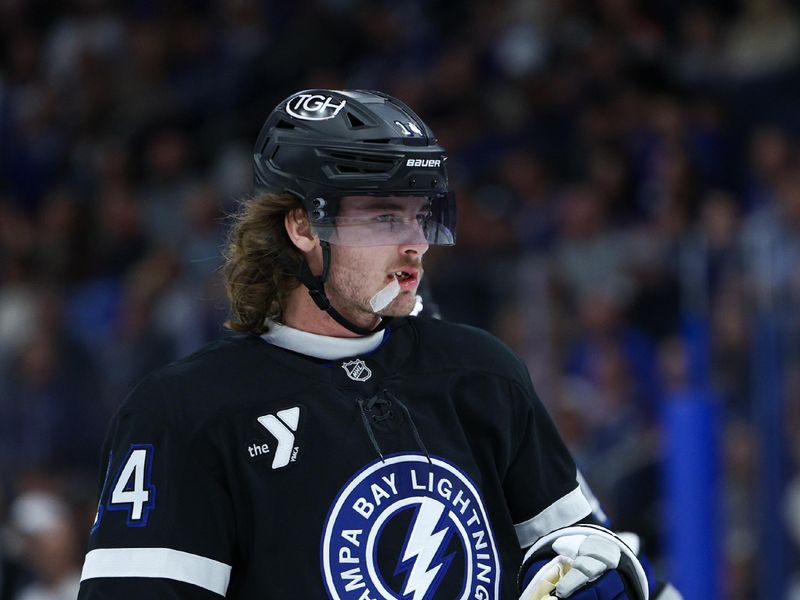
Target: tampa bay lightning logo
[{"x": 404, "y": 528}]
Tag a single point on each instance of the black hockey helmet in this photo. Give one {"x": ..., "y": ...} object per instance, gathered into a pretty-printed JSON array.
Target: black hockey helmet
[{"x": 368, "y": 170}]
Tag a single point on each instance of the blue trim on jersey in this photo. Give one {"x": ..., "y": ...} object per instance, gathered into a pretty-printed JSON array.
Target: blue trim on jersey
[
  {"x": 387, "y": 333},
  {"x": 103, "y": 491}
]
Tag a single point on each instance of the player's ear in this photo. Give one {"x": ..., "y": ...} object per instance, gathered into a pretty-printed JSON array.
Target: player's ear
[{"x": 299, "y": 230}]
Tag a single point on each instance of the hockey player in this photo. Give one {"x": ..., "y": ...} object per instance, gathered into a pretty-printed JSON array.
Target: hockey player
[{"x": 338, "y": 447}]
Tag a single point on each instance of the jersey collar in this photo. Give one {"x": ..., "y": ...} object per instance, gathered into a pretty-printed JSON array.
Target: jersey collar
[{"x": 320, "y": 346}]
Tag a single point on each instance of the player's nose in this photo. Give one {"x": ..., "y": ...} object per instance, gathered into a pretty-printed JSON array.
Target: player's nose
[
  {"x": 417, "y": 247},
  {"x": 416, "y": 241}
]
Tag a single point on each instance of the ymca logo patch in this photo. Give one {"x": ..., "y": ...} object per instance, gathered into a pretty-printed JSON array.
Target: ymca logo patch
[
  {"x": 283, "y": 426},
  {"x": 407, "y": 528}
]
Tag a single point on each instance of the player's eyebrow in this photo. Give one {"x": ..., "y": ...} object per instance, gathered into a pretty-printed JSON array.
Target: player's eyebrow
[
  {"x": 383, "y": 205},
  {"x": 388, "y": 205}
]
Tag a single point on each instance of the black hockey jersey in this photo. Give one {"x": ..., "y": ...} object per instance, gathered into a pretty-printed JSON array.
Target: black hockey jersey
[{"x": 248, "y": 471}]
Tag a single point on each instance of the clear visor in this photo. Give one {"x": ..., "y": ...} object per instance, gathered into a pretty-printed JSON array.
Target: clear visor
[{"x": 381, "y": 220}]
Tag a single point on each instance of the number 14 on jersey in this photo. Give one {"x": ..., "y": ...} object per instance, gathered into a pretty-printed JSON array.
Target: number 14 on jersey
[{"x": 132, "y": 489}]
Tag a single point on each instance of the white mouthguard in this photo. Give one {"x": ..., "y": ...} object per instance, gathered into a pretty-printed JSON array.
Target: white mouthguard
[{"x": 384, "y": 297}]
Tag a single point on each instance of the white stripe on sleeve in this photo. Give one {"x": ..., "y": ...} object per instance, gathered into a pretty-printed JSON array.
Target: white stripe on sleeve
[
  {"x": 597, "y": 510},
  {"x": 158, "y": 563},
  {"x": 564, "y": 511}
]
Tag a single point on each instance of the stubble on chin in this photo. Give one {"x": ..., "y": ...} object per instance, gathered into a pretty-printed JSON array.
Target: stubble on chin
[
  {"x": 400, "y": 306},
  {"x": 347, "y": 293},
  {"x": 348, "y": 289},
  {"x": 352, "y": 298}
]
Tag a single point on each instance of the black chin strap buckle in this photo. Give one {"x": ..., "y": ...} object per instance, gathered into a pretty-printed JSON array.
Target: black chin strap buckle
[{"x": 319, "y": 298}]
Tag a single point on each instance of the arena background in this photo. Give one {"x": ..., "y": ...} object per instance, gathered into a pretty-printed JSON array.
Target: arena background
[{"x": 629, "y": 192}]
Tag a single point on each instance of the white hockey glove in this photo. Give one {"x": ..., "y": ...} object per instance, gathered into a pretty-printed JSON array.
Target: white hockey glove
[{"x": 583, "y": 561}]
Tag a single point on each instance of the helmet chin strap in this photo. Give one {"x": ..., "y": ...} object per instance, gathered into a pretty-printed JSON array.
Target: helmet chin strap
[{"x": 316, "y": 289}]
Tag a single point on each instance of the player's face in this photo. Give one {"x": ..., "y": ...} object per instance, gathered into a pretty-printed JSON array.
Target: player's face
[{"x": 359, "y": 272}]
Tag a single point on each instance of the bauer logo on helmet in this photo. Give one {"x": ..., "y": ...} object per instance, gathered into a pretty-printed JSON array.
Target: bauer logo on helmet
[{"x": 423, "y": 162}]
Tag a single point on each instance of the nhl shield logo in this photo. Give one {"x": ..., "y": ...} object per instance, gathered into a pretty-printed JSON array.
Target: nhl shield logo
[{"x": 357, "y": 370}]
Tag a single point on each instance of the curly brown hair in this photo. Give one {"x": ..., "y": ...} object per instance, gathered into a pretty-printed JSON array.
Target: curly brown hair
[{"x": 260, "y": 260}]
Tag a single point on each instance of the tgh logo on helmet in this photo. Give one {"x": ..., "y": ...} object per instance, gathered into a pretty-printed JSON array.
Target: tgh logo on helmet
[{"x": 313, "y": 107}]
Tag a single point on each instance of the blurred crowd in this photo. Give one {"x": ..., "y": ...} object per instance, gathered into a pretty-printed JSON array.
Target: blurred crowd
[{"x": 628, "y": 176}]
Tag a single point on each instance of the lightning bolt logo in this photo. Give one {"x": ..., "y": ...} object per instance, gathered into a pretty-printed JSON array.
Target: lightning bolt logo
[{"x": 421, "y": 556}]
